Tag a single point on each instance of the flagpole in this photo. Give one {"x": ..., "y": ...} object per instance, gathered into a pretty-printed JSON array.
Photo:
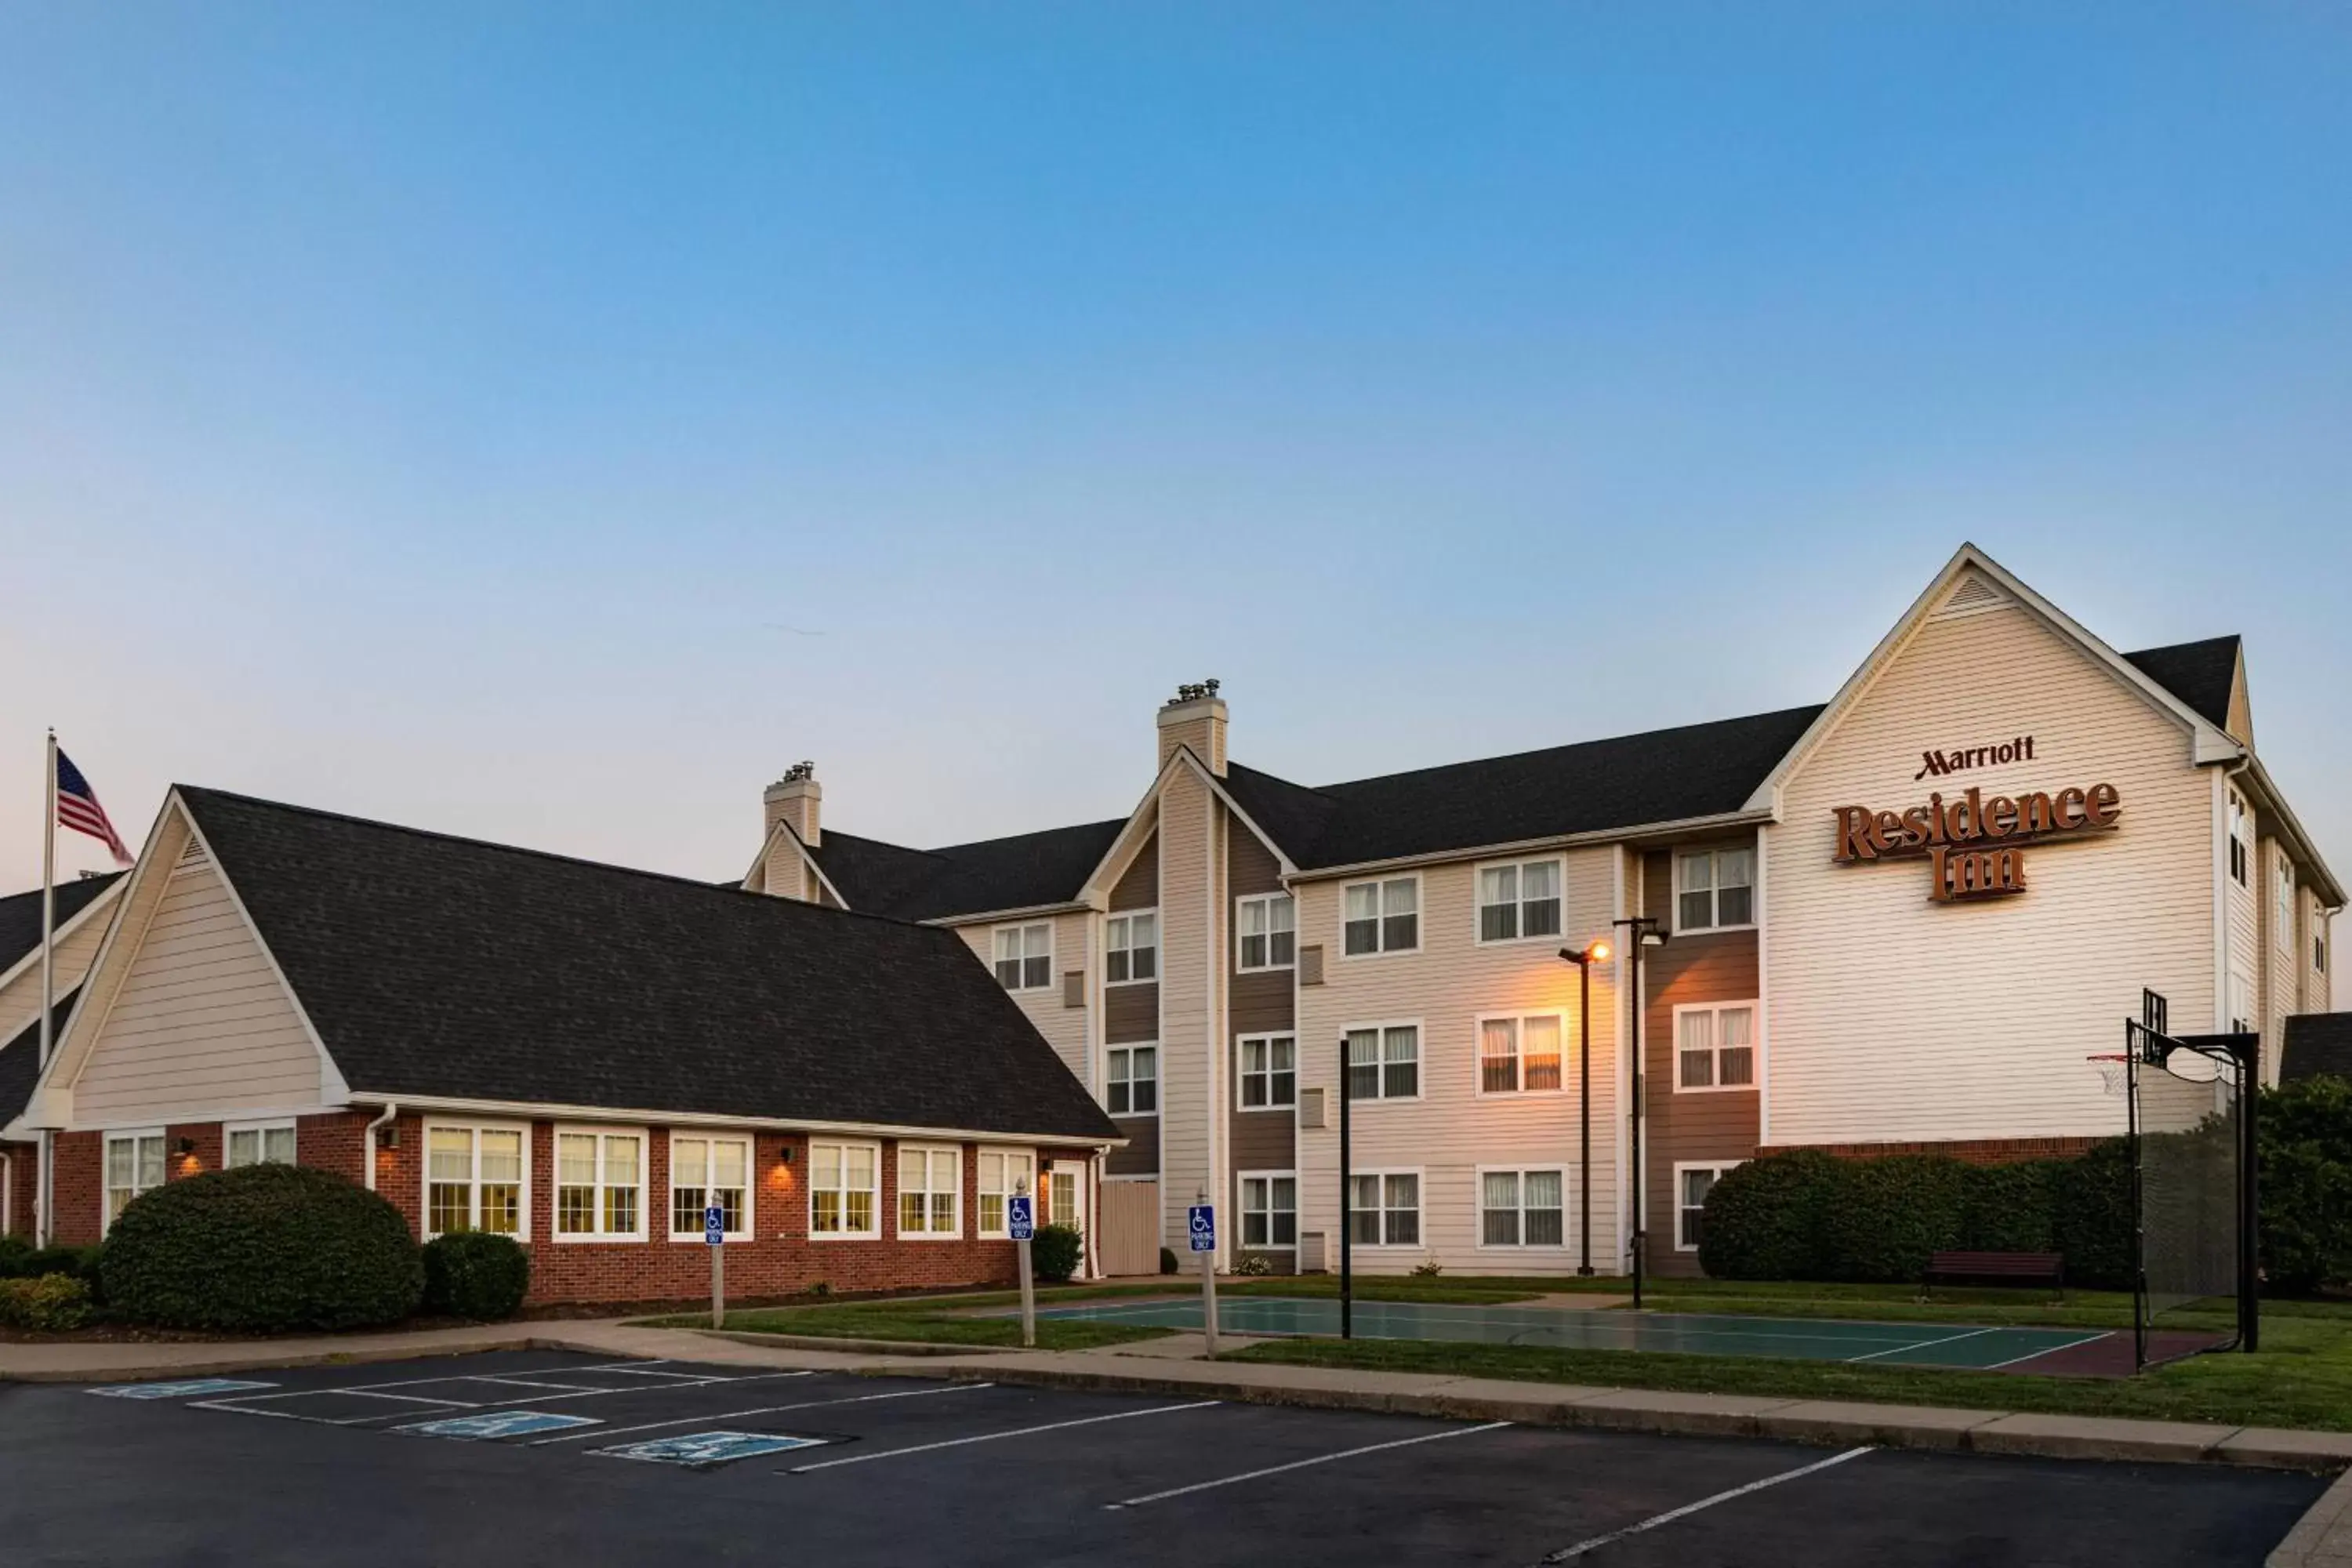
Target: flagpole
[{"x": 42, "y": 1181}]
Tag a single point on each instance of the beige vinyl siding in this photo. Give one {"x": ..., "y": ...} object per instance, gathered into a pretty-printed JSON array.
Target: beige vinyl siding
[
  {"x": 1891, "y": 1018},
  {"x": 20, "y": 1002},
  {"x": 1064, "y": 1026},
  {"x": 1189, "y": 938},
  {"x": 201, "y": 1024},
  {"x": 1451, "y": 1131},
  {"x": 2283, "y": 960},
  {"x": 2244, "y": 904}
]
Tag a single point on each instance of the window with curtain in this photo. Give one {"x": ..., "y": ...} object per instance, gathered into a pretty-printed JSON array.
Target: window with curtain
[
  {"x": 844, "y": 1192},
  {"x": 1025, "y": 956},
  {"x": 1716, "y": 1046},
  {"x": 1268, "y": 928},
  {"x": 1130, "y": 949},
  {"x": 1692, "y": 1183},
  {"x": 1270, "y": 1210},
  {"x": 1268, "y": 1071},
  {"x": 1518, "y": 901},
  {"x": 135, "y": 1164},
  {"x": 1384, "y": 1062},
  {"x": 1381, "y": 917},
  {"x": 599, "y": 1183},
  {"x": 270, "y": 1145},
  {"x": 474, "y": 1179},
  {"x": 1385, "y": 1208},
  {"x": 1715, "y": 887},
  {"x": 1002, "y": 1171},
  {"x": 1131, "y": 1080},
  {"x": 930, "y": 1184},
  {"x": 1521, "y": 1208},
  {"x": 707, "y": 1171}
]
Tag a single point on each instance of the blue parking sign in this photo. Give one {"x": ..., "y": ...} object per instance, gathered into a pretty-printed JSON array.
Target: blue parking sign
[
  {"x": 1202, "y": 1224},
  {"x": 1021, "y": 1216},
  {"x": 714, "y": 1226}
]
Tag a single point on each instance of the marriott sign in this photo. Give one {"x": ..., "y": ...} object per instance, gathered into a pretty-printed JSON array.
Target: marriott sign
[{"x": 1974, "y": 847}]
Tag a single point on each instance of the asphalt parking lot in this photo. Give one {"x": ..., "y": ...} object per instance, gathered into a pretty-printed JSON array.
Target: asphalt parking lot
[{"x": 529, "y": 1458}]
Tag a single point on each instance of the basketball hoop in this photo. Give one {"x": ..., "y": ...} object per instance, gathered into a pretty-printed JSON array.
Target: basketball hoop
[{"x": 2114, "y": 1071}]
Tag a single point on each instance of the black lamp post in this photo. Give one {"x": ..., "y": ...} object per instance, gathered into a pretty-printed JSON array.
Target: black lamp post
[
  {"x": 1584, "y": 958},
  {"x": 1646, "y": 932}
]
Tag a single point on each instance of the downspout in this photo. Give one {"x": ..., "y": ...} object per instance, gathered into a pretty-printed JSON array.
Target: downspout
[{"x": 391, "y": 1109}]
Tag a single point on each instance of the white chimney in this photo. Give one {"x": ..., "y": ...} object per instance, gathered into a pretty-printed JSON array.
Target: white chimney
[
  {"x": 794, "y": 800},
  {"x": 1194, "y": 717}
]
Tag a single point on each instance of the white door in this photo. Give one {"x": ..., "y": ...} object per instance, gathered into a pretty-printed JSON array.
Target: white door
[{"x": 1066, "y": 1197}]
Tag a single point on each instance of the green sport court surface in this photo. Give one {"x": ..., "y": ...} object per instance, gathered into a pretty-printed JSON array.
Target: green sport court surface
[{"x": 1696, "y": 1333}]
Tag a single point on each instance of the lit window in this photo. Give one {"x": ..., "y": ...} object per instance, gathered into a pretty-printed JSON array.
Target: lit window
[
  {"x": 1384, "y": 1062},
  {"x": 1715, "y": 1047},
  {"x": 844, "y": 1190},
  {"x": 1268, "y": 1074},
  {"x": 599, "y": 1183},
  {"x": 1519, "y": 1055},
  {"x": 135, "y": 1164},
  {"x": 1519, "y": 902},
  {"x": 1384, "y": 1209},
  {"x": 1714, "y": 887},
  {"x": 1382, "y": 917},
  {"x": 707, "y": 1171},
  {"x": 1002, "y": 1172},
  {"x": 1692, "y": 1183},
  {"x": 474, "y": 1180},
  {"x": 1131, "y": 1080},
  {"x": 1270, "y": 1210},
  {"x": 1024, "y": 957},
  {"x": 271, "y": 1143},
  {"x": 1268, "y": 925},
  {"x": 1130, "y": 949},
  {"x": 1521, "y": 1208},
  {"x": 930, "y": 1189}
]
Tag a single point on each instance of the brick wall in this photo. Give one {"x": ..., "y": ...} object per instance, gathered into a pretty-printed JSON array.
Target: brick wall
[
  {"x": 780, "y": 1260},
  {"x": 24, "y": 1171}
]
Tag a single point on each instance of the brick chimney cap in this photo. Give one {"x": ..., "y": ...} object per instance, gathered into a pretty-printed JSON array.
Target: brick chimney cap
[{"x": 1192, "y": 692}]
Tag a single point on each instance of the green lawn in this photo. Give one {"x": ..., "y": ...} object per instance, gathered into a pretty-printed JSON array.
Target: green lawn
[
  {"x": 2302, "y": 1377},
  {"x": 932, "y": 1320}
]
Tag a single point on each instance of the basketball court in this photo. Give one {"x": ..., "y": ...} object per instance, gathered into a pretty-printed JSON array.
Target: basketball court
[{"x": 2079, "y": 1352}]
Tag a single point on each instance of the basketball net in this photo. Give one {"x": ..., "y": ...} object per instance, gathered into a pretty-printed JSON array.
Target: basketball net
[{"x": 2114, "y": 1076}]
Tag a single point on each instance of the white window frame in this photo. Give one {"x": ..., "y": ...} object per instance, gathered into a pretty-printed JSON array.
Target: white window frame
[
  {"x": 2243, "y": 1003},
  {"x": 1020, "y": 929},
  {"x": 2242, "y": 847},
  {"x": 1478, "y": 1207},
  {"x": 1111, "y": 945},
  {"x": 1380, "y": 921},
  {"x": 1242, "y": 1179},
  {"x": 106, "y": 1187},
  {"x": 474, "y": 1180},
  {"x": 749, "y": 1227},
  {"x": 1420, "y": 1057},
  {"x": 1720, "y": 1167},
  {"x": 1242, "y": 965},
  {"x": 1715, "y": 853},
  {"x": 1754, "y": 1010},
  {"x": 261, "y": 1131},
  {"x": 2282, "y": 904},
  {"x": 555, "y": 1174},
  {"x": 1242, "y": 1073},
  {"x": 845, "y": 1145},
  {"x": 1519, "y": 1056},
  {"x": 1420, "y": 1210},
  {"x": 1519, "y": 905},
  {"x": 1127, "y": 1048},
  {"x": 1007, "y": 1172},
  {"x": 931, "y": 1153}
]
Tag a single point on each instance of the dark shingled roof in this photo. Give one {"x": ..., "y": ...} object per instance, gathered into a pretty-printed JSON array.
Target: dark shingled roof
[
  {"x": 2316, "y": 1043},
  {"x": 20, "y": 913},
  {"x": 441, "y": 966},
  {"x": 2199, "y": 673},
  {"x": 20, "y": 1059},
  {"x": 1626, "y": 782},
  {"x": 1017, "y": 873}
]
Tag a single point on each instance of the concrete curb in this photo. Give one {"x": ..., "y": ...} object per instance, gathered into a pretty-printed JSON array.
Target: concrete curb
[
  {"x": 244, "y": 1358},
  {"x": 849, "y": 1347},
  {"x": 2322, "y": 1538}
]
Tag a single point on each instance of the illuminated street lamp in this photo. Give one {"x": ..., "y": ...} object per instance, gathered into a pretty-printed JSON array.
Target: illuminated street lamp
[
  {"x": 1647, "y": 932},
  {"x": 1584, "y": 958}
]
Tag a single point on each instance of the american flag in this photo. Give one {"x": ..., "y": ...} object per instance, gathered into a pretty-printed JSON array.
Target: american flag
[{"x": 77, "y": 808}]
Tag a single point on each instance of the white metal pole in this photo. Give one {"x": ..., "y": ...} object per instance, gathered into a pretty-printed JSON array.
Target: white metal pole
[
  {"x": 1209, "y": 1287},
  {"x": 1028, "y": 1281},
  {"x": 44, "y": 1184}
]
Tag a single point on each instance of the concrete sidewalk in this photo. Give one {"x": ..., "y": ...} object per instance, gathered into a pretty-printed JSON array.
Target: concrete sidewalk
[{"x": 2324, "y": 1539}]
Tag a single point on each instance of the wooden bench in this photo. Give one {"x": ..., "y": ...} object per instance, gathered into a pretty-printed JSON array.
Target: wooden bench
[{"x": 1996, "y": 1269}]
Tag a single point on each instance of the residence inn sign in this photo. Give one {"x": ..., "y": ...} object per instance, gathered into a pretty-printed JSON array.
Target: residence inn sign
[{"x": 1974, "y": 847}]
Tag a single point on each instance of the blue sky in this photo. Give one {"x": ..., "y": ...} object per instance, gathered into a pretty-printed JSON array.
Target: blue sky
[{"x": 548, "y": 423}]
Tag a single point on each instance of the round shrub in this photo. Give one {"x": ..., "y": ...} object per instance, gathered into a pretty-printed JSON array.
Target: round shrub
[
  {"x": 1764, "y": 1219},
  {"x": 473, "y": 1274},
  {"x": 1054, "y": 1253},
  {"x": 52, "y": 1303},
  {"x": 261, "y": 1249},
  {"x": 1167, "y": 1260}
]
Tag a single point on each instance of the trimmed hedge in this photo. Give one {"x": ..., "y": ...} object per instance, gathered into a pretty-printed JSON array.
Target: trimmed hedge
[
  {"x": 20, "y": 1259},
  {"x": 1055, "y": 1251},
  {"x": 51, "y": 1303},
  {"x": 2305, "y": 1131},
  {"x": 261, "y": 1249},
  {"x": 1805, "y": 1214},
  {"x": 474, "y": 1274}
]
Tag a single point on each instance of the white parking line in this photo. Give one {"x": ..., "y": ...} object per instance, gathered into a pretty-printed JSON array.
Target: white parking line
[
  {"x": 606, "y": 1393},
  {"x": 2046, "y": 1350},
  {"x": 1923, "y": 1344},
  {"x": 997, "y": 1437},
  {"x": 243, "y": 1404},
  {"x": 764, "y": 1410},
  {"x": 1305, "y": 1463},
  {"x": 1571, "y": 1554}
]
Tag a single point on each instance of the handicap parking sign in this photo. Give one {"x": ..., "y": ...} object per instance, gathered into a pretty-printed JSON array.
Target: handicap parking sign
[
  {"x": 1021, "y": 1216},
  {"x": 1203, "y": 1218},
  {"x": 714, "y": 1225}
]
